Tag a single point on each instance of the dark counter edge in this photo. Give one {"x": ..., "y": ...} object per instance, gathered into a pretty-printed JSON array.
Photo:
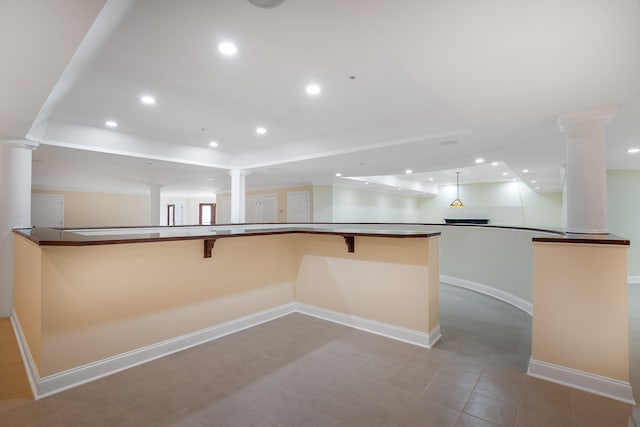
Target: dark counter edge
[
  {"x": 591, "y": 239},
  {"x": 90, "y": 242}
]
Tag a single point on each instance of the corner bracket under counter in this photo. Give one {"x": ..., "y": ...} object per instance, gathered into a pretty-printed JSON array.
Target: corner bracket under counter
[
  {"x": 208, "y": 247},
  {"x": 350, "y": 240}
]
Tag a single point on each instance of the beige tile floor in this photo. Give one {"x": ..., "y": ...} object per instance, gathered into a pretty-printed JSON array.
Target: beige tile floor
[
  {"x": 302, "y": 371},
  {"x": 14, "y": 387}
]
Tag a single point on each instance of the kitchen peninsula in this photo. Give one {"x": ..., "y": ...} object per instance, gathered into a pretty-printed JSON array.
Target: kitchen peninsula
[{"x": 90, "y": 302}]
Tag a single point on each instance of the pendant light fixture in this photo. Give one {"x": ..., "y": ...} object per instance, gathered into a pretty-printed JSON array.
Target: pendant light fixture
[
  {"x": 266, "y": 4},
  {"x": 457, "y": 203}
]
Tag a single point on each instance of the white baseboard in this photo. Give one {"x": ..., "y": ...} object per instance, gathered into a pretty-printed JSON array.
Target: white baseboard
[
  {"x": 411, "y": 336},
  {"x": 603, "y": 386},
  {"x": 61, "y": 381},
  {"x": 25, "y": 352},
  {"x": 511, "y": 299},
  {"x": 52, "y": 384},
  {"x": 633, "y": 280}
]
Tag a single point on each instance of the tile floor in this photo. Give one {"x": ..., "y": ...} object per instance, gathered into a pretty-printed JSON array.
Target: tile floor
[
  {"x": 14, "y": 387},
  {"x": 302, "y": 371}
]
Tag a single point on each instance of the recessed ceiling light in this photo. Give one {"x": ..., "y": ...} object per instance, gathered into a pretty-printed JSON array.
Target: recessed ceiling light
[
  {"x": 633, "y": 150},
  {"x": 213, "y": 144},
  {"x": 408, "y": 171},
  {"x": 338, "y": 174},
  {"x": 227, "y": 48},
  {"x": 430, "y": 179},
  {"x": 261, "y": 131},
  {"x": 313, "y": 89},
  {"x": 525, "y": 170},
  {"x": 479, "y": 160},
  {"x": 148, "y": 99},
  {"x": 494, "y": 164},
  {"x": 537, "y": 188},
  {"x": 505, "y": 173},
  {"x": 533, "y": 181},
  {"x": 111, "y": 123}
]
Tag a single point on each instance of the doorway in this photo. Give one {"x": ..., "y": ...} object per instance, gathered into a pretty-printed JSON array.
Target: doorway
[{"x": 207, "y": 215}]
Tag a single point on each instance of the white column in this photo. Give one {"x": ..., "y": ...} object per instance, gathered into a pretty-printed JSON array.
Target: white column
[
  {"x": 154, "y": 204},
  {"x": 15, "y": 209},
  {"x": 586, "y": 174},
  {"x": 238, "y": 196}
]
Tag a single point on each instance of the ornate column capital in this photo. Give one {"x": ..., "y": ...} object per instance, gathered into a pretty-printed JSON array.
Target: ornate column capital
[
  {"x": 20, "y": 143},
  {"x": 603, "y": 115},
  {"x": 240, "y": 172}
]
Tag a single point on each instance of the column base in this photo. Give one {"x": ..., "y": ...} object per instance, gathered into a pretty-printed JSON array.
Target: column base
[{"x": 592, "y": 383}]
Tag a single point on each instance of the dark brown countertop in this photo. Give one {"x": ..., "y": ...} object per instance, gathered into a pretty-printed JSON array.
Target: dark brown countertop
[
  {"x": 110, "y": 236},
  {"x": 579, "y": 238},
  {"x": 118, "y": 235}
]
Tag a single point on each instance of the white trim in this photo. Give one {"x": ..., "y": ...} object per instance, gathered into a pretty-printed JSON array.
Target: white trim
[
  {"x": 29, "y": 365},
  {"x": 349, "y": 150},
  {"x": 52, "y": 384},
  {"x": 592, "y": 383},
  {"x": 138, "y": 154},
  {"x": 633, "y": 280},
  {"x": 511, "y": 299},
  {"x": 56, "y": 383},
  {"x": 411, "y": 336}
]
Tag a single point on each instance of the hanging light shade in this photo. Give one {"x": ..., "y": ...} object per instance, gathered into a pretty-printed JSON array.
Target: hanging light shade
[
  {"x": 266, "y": 4},
  {"x": 457, "y": 203}
]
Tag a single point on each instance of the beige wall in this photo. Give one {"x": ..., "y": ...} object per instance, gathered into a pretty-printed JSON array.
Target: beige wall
[
  {"x": 27, "y": 291},
  {"x": 580, "y": 317},
  {"x": 434, "y": 282},
  {"x": 85, "y": 209},
  {"x": 385, "y": 279},
  {"x": 100, "y": 301}
]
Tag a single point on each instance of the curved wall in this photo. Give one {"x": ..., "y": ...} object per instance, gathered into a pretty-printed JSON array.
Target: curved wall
[{"x": 494, "y": 261}]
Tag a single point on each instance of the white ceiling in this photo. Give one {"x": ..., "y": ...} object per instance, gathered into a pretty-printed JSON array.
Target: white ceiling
[{"x": 493, "y": 76}]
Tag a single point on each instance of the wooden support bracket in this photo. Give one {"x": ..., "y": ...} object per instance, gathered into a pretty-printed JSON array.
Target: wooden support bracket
[
  {"x": 351, "y": 243},
  {"x": 208, "y": 247}
]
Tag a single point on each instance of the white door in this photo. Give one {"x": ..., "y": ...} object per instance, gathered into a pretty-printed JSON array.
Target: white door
[
  {"x": 179, "y": 213},
  {"x": 298, "y": 206},
  {"x": 269, "y": 208},
  {"x": 262, "y": 208},
  {"x": 47, "y": 210}
]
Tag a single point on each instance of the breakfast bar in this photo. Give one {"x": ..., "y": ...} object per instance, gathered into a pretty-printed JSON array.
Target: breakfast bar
[{"x": 90, "y": 302}]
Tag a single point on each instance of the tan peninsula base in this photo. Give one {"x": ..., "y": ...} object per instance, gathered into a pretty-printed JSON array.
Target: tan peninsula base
[
  {"x": 83, "y": 312},
  {"x": 580, "y": 320}
]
